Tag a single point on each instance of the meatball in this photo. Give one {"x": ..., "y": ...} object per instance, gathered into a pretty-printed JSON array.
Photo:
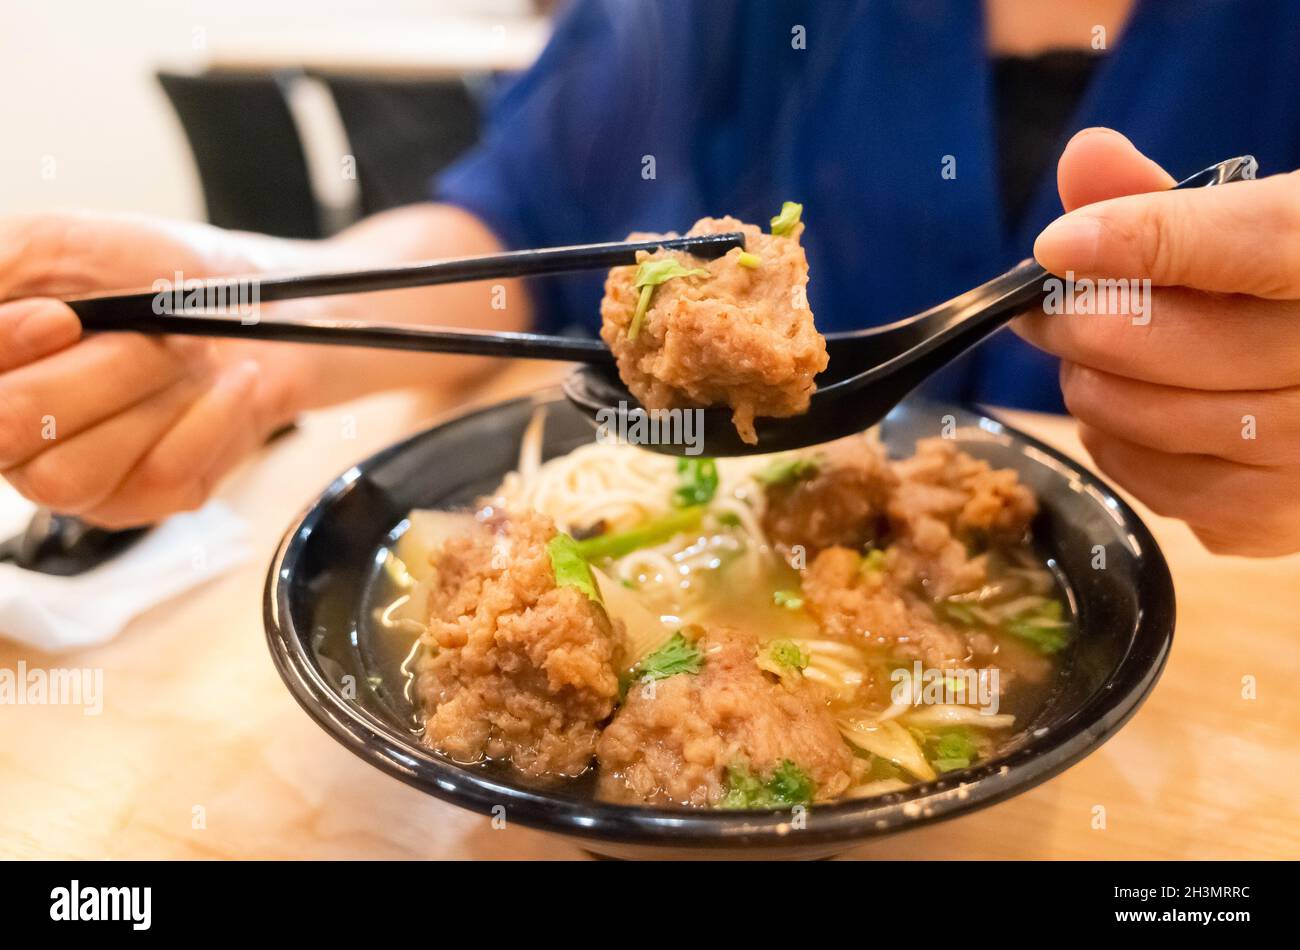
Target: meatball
[
  {"x": 675, "y": 739},
  {"x": 518, "y": 668},
  {"x": 977, "y": 502},
  {"x": 839, "y": 500},
  {"x": 858, "y": 603},
  {"x": 946, "y": 508},
  {"x": 741, "y": 336}
]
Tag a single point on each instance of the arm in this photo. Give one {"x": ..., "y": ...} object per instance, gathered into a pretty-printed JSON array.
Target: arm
[{"x": 417, "y": 232}]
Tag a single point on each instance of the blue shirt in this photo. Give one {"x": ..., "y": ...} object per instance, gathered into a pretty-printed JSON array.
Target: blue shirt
[{"x": 857, "y": 125}]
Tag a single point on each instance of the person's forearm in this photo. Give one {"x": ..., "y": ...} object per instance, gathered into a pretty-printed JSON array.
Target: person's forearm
[{"x": 330, "y": 374}]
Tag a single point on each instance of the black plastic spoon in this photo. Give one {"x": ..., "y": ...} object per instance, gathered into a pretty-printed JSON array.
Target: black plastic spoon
[{"x": 870, "y": 371}]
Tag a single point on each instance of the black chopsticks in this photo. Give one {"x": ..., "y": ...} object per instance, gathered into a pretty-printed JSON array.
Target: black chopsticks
[{"x": 228, "y": 307}]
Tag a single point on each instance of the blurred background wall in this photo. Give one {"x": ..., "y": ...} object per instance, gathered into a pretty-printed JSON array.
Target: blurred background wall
[{"x": 84, "y": 122}]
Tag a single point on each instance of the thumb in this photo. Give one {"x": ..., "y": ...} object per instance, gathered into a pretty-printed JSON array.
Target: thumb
[{"x": 1099, "y": 164}]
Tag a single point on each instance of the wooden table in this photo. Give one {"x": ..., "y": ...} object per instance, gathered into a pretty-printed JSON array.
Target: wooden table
[{"x": 201, "y": 753}]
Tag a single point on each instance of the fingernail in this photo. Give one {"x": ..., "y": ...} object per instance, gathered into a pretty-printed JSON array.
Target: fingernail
[
  {"x": 45, "y": 329},
  {"x": 1069, "y": 243}
]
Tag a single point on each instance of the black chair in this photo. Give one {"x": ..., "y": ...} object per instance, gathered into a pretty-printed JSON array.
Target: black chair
[
  {"x": 402, "y": 132},
  {"x": 249, "y": 155}
]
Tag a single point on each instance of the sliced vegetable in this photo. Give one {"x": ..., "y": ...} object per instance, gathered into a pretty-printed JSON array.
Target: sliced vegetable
[
  {"x": 676, "y": 656},
  {"x": 571, "y": 568},
  {"x": 785, "y": 470},
  {"x": 427, "y": 530},
  {"x": 649, "y": 276},
  {"x": 891, "y": 741},
  {"x": 784, "y": 223},
  {"x": 948, "y": 714},
  {"x": 746, "y": 259},
  {"x": 789, "y": 785},
  {"x": 651, "y": 531},
  {"x": 1042, "y": 626},
  {"x": 642, "y": 630},
  {"x": 697, "y": 482},
  {"x": 871, "y": 789}
]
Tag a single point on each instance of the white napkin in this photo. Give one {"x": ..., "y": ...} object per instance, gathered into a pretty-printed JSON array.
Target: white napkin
[{"x": 64, "y": 613}]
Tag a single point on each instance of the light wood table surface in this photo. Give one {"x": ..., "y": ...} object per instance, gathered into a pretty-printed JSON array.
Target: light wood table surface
[{"x": 197, "y": 728}]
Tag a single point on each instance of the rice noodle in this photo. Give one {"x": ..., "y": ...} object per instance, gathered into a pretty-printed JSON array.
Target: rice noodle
[{"x": 617, "y": 487}]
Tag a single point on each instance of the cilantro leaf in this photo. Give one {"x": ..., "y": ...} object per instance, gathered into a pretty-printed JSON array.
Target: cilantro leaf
[
  {"x": 678, "y": 655},
  {"x": 649, "y": 276},
  {"x": 953, "y": 749},
  {"x": 570, "y": 567}
]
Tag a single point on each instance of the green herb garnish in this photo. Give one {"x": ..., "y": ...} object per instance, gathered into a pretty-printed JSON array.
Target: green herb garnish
[
  {"x": 651, "y": 531},
  {"x": 787, "y": 653},
  {"x": 678, "y": 655},
  {"x": 571, "y": 568},
  {"x": 953, "y": 749},
  {"x": 697, "y": 482},
  {"x": 649, "y": 276},
  {"x": 786, "y": 470},
  {"x": 785, "y": 222},
  {"x": 873, "y": 562},
  {"x": 746, "y": 259},
  {"x": 789, "y": 785},
  {"x": 787, "y": 598}
]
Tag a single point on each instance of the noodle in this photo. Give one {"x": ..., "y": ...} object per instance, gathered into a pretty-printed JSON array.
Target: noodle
[{"x": 613, "y": 487}]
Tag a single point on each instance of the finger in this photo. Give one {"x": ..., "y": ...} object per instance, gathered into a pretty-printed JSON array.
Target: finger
[
  {"x": 1238, "y": 238},
  {"x": 55, "y": 255},
  {"x": 1233, "y": 509},
  {"x": 1099, "y": 164},
  {"x": 33, "y": 328},
  {"x": 180, "y": 471},
  {"x": 1180, "y": 338},
  {"x": 1252, "y": 428},
  {"x": 72, "y": 390},
  {"x": 80, "y": 472}
]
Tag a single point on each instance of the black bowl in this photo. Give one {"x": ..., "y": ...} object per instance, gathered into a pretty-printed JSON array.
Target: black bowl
[{"x": 327, "y": 579}]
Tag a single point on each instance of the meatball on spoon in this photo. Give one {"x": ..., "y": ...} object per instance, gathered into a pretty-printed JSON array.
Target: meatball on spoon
[{"x": 870, "y": 371}]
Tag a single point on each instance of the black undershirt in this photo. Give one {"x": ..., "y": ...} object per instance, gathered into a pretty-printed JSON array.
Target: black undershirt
[{"x": 1035, "y": 97}]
